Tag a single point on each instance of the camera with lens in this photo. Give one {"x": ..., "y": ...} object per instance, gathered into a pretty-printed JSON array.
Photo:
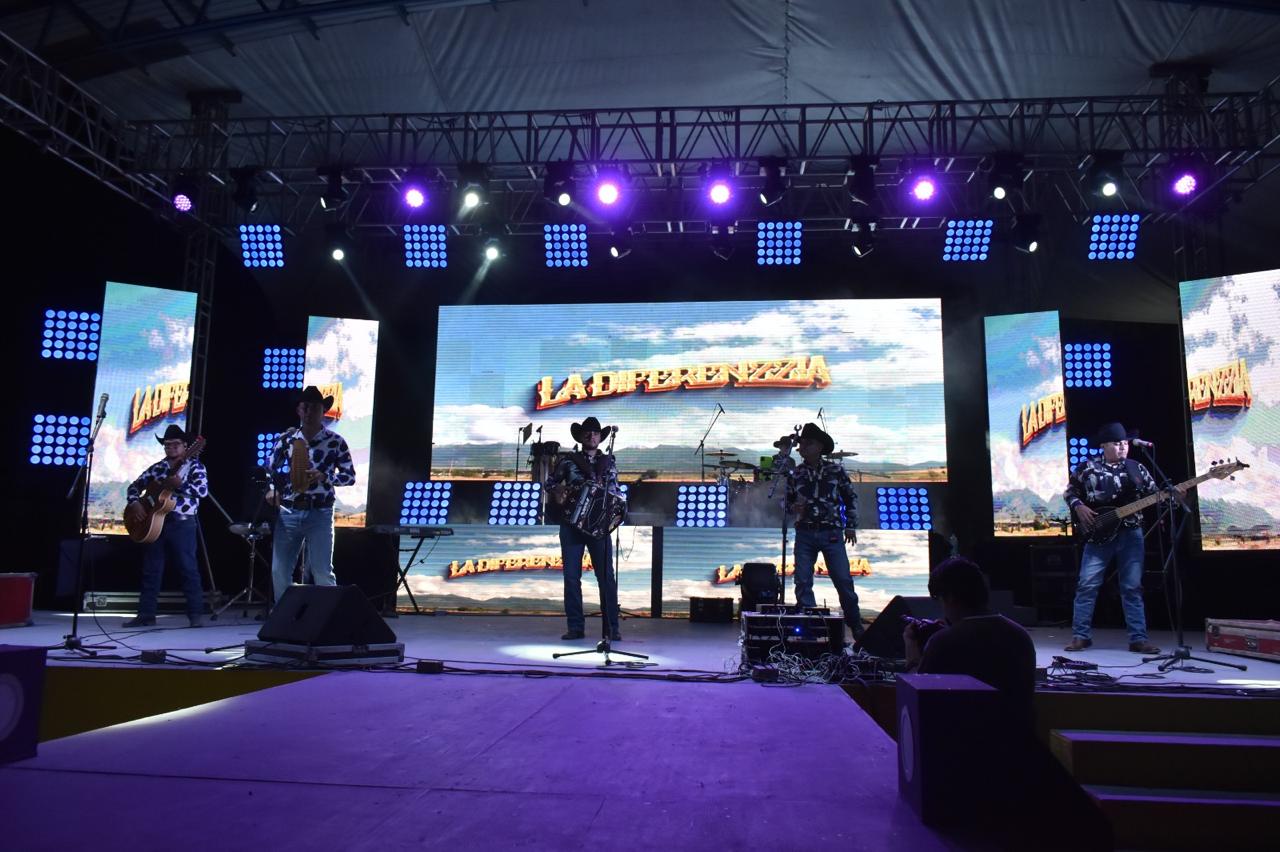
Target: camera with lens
[{"x": 926, "y": 628}]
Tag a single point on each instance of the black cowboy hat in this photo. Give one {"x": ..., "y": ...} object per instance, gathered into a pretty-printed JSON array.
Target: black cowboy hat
[
  {"x": 311, "y": 393},
  {"x": 1113, "y": 432},
  {"x": 174, "y": 433},
  {"x": 578, "y": 430},
  {"x": 812, "y": 432}
]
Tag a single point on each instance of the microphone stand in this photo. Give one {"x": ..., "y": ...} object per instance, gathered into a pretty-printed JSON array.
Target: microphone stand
[
  {"x": 1173, "y": 576},
  {"x": 702, "y": 445},
  {"x": 71, "y": 641}
]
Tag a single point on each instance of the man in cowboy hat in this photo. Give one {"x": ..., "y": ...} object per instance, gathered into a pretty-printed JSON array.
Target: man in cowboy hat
[
  {"x": 1112, "y": 480},
  {"x": 825, "y": 506},
  {"x": 177, "y": 540},
  {"x": 589, "y": 464},
  {"x": 306, "y": 515}
]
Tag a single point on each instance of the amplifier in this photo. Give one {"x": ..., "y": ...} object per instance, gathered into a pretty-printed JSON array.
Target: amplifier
[
  {"x": 128, "y": 602},
  {"x": 1260, "y": 639},
  {"x": 711, "y": 610},
  {"x": 808, "y": 636},
  {"x": 792, "y": 609}
]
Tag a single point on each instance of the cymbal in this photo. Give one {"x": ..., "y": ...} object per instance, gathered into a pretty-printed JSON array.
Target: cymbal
[
  {"x": 720, "y": 453},
  {"x": 243, "y": 530},
  {"x": 736, "y": 465},
  {"x": 841, "y": 454}
]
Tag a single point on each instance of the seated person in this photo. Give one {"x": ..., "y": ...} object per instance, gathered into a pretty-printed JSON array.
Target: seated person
[{"x": 971, "y": 640}]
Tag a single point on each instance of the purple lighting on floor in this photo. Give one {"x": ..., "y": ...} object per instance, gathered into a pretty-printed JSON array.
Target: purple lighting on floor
[
  {"x": 923, "y": 189},
  {"x": 719, "y": 192},
  {"x": 182, "y": 202},
  {"x": 414, "y": 197},
  {"x": 1185, "y": 184},
  {"x": 607, "y": 192}
]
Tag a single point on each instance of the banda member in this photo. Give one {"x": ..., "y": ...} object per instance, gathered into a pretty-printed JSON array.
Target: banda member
[
  {"x": 594, "y": 465},
  {"x": 825, "y": 506},
  {"x": 177, "y": 541},
  {"x": 1112, "y": 480},
  {"x": 306, "y": 501}
]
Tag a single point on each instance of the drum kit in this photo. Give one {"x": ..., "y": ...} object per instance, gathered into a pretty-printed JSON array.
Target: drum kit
[{"x": 730, "y": 471}]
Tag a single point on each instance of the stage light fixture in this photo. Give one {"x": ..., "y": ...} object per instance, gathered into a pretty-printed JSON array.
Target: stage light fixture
[
  {"x": 1007, "y": 175},
  {"x": 338, "y": 240},
  {"x": 1105, "y": 173},
  {"x": 266, "y": 447},
  {"x": 1114, "y": 236},
  {"x": 184, "y": 193},
  {"x": 1025, "y": 233},
  {"x": 924, "y": 188},
  {"x": 717, "y": 183},
  {"x": 473, "y": 183},
  {"x": 515, "y": 504},
  {"x": 58, "y": 439},
  {"x": 425, "y": 246},
  {"x": 610, "y": 188},
  {"x": 245, "y": 191},
  {"x": 773, "y": 170},
  {"x": 334, "y": 193},
  {"x": 492, "y": 249},
  {"x": 620, "y": 244},
  {"x": 864, "y": 237},
  {"x": 904, "y": 508},
  {"x": 1086, "y": 365},
  {"x": 722, "y": 241},
  {"x": 967, "y": 240},
  {"x": 703, "y": 505},
  {"x": 558, "y": 185},
  {"x": 860, "y": 181},
  {"x": 1186, "y": 175},
  {"x": 261, "y": 246},
  {"x": 1080, "y": 450},
  {"x": 282, "y": 367},
  {"x": 779, "y": 243},
  {"x": 565, "y": 245},
  {"x": 71, "y": 335},
  {"x": 426, "y": 503}
]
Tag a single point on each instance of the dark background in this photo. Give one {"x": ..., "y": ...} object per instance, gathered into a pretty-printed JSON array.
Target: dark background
[{"x": 66, "y": 235}]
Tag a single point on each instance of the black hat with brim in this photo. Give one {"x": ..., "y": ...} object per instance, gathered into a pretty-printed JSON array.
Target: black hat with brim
[
  {"x": 173, "y": 433},
  {"x": 579, "y": 430},
  {"x": 811, "y": 432},
  {"x": 1109, "y": 432},
  {"x": 311, "y": 393}
]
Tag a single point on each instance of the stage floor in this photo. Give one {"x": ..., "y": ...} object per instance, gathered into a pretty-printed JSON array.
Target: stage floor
[{"x": 519, "y": 641}]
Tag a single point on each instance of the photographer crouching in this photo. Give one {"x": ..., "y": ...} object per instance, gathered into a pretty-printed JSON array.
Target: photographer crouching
[{"x": 971, "y": 640}]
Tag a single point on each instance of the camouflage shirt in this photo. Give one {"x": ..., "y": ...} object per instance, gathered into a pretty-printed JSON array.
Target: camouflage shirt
[
  {"x": 1098, "y": 483},
  {"x": 570, "y": 470},
  {"x": 830, "y": 501}
]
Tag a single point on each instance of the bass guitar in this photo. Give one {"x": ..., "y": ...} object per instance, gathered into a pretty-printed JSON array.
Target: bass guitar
[
  {"x": 144, "y": 517},
  {"x": 1106, "y": 524}
]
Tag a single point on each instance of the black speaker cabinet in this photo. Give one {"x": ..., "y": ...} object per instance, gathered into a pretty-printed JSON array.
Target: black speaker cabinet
[
  {"x": 325, "y": 615},
  {"x": 884, "y": 637},
  {"x": 21, "y": 694},
  {"x": 760, "y": 585}
]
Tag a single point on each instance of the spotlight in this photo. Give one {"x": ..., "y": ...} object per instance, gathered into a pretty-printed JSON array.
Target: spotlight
[
  {"x": 722, "y": 241},
  {"x": 923, "y": 188},
  {"x": 1186, "y": 177},
  {"x": 473, "y": 181},
  {"x": 1104, "y": 175},
  {"x": 558, "y": 186},
  {"x": 773, "y": 169},
  {"x": 864, "y": 237},
  {"x": 183, "y": 193},
  {"x": 338, "y": 239},
  {"x": 719, "y": 193},
  {"x": 414, "y": 191},
  {"x": 1025, "y": 232},
  {"x": 861, "y": 181},
  {"x": 1185, "y": 183},
  {"x": 607, "y": 192},
  {"x": 245, "y": 194},
  {"x": 611, "y": 184},
  {"x": 334, "y": 194},
  {"x": 717, "y": 182},
  {"x": 492, "y": 249},
  {"x": 1006, "y": 176},
  {"x": 620, "y": 244}
]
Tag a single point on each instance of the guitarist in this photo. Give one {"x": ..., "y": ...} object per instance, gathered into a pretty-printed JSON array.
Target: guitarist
[
  {"x": 177, "y": 541},
  {"x": 1112, "y": 480}
]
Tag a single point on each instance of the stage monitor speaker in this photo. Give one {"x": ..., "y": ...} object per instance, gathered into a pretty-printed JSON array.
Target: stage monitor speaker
[
  {"x": 21, "y": 694},
  {"x": 325, "y": 615},
  {"x": 760, "y": 585},
  {"x": 711, "y": 610},
  {"x": 884, "y": 637}
]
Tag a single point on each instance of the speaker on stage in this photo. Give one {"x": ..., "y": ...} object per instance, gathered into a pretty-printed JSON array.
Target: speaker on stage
[
  {"x": 21, "y": 694},
  {"x": 325, "y": 615},
  {"x": 884, "y": 637},
  {"x": 760, "y": 585}
]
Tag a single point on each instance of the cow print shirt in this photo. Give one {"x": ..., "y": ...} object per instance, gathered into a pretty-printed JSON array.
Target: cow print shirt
[
  {"x": 194, "y": 486},
  {"x": 329, "y": 455}
]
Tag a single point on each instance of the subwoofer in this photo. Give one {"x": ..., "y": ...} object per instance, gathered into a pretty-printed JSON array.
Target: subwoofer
[{"x": 325, "y": 615}]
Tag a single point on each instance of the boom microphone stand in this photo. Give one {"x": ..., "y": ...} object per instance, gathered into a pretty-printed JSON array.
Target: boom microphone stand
[
  {"x": 702, "y": 445},
  {"x": 1173, "y": 576},
  {"x": 71, "y": 641}
]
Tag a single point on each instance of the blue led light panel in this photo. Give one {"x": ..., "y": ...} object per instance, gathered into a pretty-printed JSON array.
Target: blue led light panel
[
  {"x": 266, "y": 446},
  {"x": 425, "y": 247},
  {"x": 702, "y": 505},
  {"x": 566, "y": 245},
  {"x": 904, "y": 508},
  {"x": 1080, "y": 450},
  {"x": 1086, "y": 365},
  {"x": 968, "y": 240},
  {"x": 426, "y": 503},
  {"x": 283, "y": 367},
  {"x": 515, "y": 504},
  {"x": 1114, "y": 236},
  {"x": 59, "y": 439},
  {"x": 778, "y": 243},
  {"x": 261, "y": 245},
  {"x": 71, "y": 335}
]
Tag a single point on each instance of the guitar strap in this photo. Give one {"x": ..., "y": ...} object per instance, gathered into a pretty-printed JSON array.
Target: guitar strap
[{"x": 1130, "y": 490}]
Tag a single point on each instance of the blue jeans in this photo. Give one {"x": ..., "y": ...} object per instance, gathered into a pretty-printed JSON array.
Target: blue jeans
[
  {"x": 312, "y": 527},
  {"x": 830, "y": 543},
  {"x": 176, "y": 546},
  {"x": 1128, "y": 549},
  {"x": 572, "y": 545}
]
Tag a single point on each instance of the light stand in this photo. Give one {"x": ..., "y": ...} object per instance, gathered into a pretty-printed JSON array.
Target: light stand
[
  {"x": 702, "y": 445},
  {"x": 1173, "y": 576},
  {"x": 71, "y": 641}
]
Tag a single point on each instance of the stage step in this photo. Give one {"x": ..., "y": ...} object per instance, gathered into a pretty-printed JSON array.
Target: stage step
[
  {"x": 1143, "y": 818},
  {"x": 1234, "y": 762},
  {"x": 1120, "y": 711}
]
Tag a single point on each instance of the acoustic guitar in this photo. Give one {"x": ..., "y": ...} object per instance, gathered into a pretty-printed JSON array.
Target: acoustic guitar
[
  {"x": 144, "y": 517},
  {"x": 1107, "y": 523}
]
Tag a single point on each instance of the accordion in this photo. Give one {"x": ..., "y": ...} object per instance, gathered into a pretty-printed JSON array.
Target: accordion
[{"x": 595, "y": 511}]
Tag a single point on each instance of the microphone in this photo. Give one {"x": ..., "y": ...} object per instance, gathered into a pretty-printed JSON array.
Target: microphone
[
  {"x": 102, "y": 405},
  {"x": 1141, "y": 444}
]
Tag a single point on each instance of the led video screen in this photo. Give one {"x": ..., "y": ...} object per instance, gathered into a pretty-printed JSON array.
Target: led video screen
[
  {"x": 1231, "y": 336},
  {"x": 662, "y": 373},
  {"x": 144, "y": 364},
  {"x": 1027, "y": 424},
  {"x": 342, "y": 361}
]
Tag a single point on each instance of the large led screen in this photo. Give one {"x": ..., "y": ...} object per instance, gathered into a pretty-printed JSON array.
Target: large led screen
[
  {"x": 1027, "y": 419},
  {"x": 342, "y": 361},
  {"x": 1231, "y": 333},
  {"x": 662, "y": 372},
  {"x": 144, "y": 365}
]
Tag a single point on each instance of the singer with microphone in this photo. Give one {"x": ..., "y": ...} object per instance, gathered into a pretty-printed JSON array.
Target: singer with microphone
[
  {"x": 317, "y": 459},
  {"x": 1111, "y": 480}
]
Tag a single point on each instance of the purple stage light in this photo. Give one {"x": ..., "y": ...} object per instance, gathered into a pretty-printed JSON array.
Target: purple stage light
[
  {"x": 414, "y": 197},
  {"x": 607, "y": 192},
  {"x": 923, "y": 189},
  {"x": 719, "y": 192},
  {"x": 1185, "y": 184},
  {"x": 182, "y": 202}
]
